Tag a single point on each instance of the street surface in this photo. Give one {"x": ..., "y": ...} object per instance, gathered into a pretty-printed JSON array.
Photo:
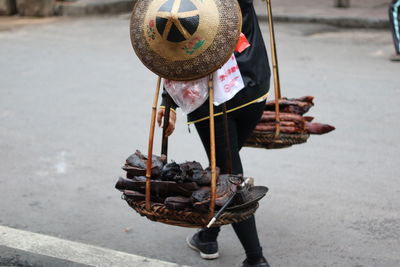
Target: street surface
[{"x": 75, "y": 102}]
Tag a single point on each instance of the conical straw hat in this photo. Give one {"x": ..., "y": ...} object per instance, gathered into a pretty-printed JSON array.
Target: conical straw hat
[{"x": 185, "y": 39}]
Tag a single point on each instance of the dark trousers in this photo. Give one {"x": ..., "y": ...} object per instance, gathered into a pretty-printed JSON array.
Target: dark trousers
[
  {"x": 394, "y": 15},
  {"x": 241, "y": 123}
]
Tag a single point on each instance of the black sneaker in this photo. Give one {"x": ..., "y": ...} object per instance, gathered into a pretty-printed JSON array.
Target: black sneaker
[
  {"x": 208, "y": 250},
  {"x": 260, "y": 263}
]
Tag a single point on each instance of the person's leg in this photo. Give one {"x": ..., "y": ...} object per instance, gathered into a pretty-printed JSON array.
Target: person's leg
[
  {"x": 394, "y": 16},
  {"x": 246, "y": 231},
  {"x": 203, "y": 129},
  {"x": 241, "y": 123},
  {"x": 246, "y": 120},
  {"x": 205, "y": 241}
]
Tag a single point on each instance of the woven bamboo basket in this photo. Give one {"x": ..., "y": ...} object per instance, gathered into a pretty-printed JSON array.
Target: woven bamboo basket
[
  {"x": 267, "y": 140},
  {"x": 159, "y": 213}
]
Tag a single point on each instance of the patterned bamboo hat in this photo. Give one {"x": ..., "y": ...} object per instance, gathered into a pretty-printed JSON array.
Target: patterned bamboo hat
[{"x": 185, "y": 39}]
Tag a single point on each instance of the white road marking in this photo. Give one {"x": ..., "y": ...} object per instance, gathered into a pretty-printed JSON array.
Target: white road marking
[{"x": 73, "y": 251}]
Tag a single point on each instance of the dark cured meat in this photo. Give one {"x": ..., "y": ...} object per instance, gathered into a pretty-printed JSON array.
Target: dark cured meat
[
  {"x": 201, "y": 194},
  {"x": 298, "y": 106},
  {"x": 282, "y": 123},
  {"x": 203, "y": 177},
  {"x": 190, "y": 171},
  {"x": 134, "y": 171},
  {"x": 269, "y": 116},
  {"x": 172, "y": 172},
  {"x": 191, "y": 186},
  {"x": 308, "y": 118},
  {"x": 283, "y": 129},
  {"x": 189, "y": 168},
  {"x": 160, "y": 188},
  {"x": 139, "y": 178},
  {"x": 138, "y": 161},
  {"x": 201, "y": 197},
  {"x": 140, "y": 196},
  {"x": 178, "y": 203},
  {"x": 307, "y": 98},
  {"x": 296, "y": 109},
  {"x": 319, "y": 128}
]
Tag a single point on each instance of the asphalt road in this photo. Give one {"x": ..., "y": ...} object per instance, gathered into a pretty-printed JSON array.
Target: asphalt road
[{"x": 75, "y": 102}]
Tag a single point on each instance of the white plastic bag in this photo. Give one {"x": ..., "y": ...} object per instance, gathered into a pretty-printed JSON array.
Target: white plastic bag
[
  {"x": 188, "y": 95},
  {"x": 227, "y": 81}
]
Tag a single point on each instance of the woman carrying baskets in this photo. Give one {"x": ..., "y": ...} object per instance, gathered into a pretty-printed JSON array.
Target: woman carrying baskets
[{"x": 244, "y": 110}]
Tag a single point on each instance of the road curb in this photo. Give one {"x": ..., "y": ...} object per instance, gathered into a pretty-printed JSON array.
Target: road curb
[
  {"x": 344, "y": 22},
  {"x": 84, "y": 8}
]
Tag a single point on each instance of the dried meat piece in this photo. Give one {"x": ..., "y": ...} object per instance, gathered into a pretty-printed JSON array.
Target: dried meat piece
[
  {"x": 138, "y": 163},
  {"x": 203, "y": 177},
  {"x": 141, "y": 196},
  {"x": 283, "y": 129},
  {"x": 172, "y": 172},
  {"x": 292, "y": 105},
  {"x": 308, "y": 118},
  {"x": 201, "y": 194},
  {"x": 158, "y": 188},
  {"x": 319, "y": 128},
  {"x": 178, "y": 203},
  {"x": 189, "y": 168},
  {"x": 270, "y": 116},
  {"x": 225, "y": 188},
  {"x": 307, "y": 98}
]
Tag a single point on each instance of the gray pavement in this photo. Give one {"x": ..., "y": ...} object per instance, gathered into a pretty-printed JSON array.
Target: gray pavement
[{"x": 75, "y": 102}]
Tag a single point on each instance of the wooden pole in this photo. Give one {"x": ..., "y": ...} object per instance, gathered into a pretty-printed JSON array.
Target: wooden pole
[
  {"x": 212, "y": 148},
  {"x": 277, "y": 84},
  {"x": 151, "y": 141},
  {"x": 273, "y": 51}
]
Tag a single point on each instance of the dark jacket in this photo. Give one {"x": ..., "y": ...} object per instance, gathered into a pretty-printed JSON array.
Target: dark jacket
[{"x": 253, "y": 65}]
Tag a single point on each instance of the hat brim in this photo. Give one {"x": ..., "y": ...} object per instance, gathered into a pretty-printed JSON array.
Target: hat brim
[
  {"x": 203, "y": 64},
  {"x": 255, "y": 194}
]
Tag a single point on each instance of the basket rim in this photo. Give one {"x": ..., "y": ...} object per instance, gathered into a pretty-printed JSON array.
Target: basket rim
[{"x": 191, "y": 219}]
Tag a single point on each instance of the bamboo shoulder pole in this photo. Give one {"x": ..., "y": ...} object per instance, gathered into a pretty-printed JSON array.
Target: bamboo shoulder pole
[
  {"x": 150, "y": 146},
  {"x": 273, "y": 51},
  {"x": 212, "y": 148},
  {"x": 277, "y": 85}
]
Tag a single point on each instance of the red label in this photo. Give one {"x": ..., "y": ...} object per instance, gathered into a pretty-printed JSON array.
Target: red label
[{"x": 242, "y": 44}]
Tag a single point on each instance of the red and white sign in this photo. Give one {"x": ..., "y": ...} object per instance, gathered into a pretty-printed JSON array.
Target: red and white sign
[{"x": 227, "y": 81}]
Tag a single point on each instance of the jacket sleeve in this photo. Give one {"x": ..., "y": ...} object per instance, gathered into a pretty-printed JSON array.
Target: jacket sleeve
[{"x": 164, "y": 98}]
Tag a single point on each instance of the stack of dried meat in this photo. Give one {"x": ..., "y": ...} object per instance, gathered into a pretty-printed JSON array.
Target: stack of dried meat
[
  {"x": 185, "y": 186},
  {"x": 292, "y": 120}
]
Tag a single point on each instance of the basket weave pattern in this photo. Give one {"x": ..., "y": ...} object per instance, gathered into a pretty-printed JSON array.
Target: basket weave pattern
[
  {"x": 159, "y": 213},
  {"x": 267, "y": 140}
]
